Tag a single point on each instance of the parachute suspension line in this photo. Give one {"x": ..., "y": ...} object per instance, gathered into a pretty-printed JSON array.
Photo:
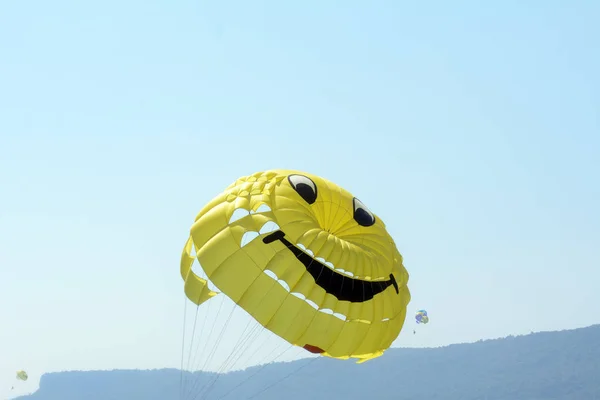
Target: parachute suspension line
[
  {"x": 185, "y": 300},
  {"x": 259, "y": 347},
  {"x": 197, "y": 351},
  {"x": 197, "y": 374},
  {"x": 254, "y": 335},
  {"x": 215, "y": 347},
  {"x": 240, "y": 344},
  {"x": 191, "y": 343},
  {"x": 238, "y": 348},
  {"x": 275, "y": 359},
  {"x": 257, "y": 330},
  {"x": 210, "y": 350},
  {"x": 228, "y": 358},
  {"x": 264, "y": 361},
  {"x": 241, "y": 348},
  {"x": 262, "y": 364},
  {"x": 295, "y": 371}
]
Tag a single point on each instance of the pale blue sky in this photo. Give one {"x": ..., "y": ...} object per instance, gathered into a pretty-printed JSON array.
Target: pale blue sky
[{"x": 473, "y": 130}]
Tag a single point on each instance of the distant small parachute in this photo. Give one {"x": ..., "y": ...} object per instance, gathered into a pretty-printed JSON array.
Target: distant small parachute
[
  {"x": 421, "y": 317},
  {"x": 22, "y": 375}
]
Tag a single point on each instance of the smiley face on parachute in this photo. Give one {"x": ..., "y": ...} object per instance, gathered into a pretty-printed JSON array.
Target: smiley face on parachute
[{"x": 306, "y": 259}]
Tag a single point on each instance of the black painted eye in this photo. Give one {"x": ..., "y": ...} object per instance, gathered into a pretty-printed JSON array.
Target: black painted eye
[
  {"x": 362, "y": 215},
  {"x": 305, "y": 187}
]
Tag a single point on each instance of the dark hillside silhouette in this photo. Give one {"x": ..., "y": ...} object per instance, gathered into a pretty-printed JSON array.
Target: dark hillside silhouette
[{"x": 561, "y": 365}]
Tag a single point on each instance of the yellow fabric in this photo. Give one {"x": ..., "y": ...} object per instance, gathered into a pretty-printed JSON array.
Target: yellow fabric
[
  {"x": 195, "y": 288},
  {"x": 22, "y": 375},
  {"x": 271, "y": 284}
]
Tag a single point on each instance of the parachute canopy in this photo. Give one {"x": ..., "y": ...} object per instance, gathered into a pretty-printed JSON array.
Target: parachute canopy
[
  {"x": 421, "y": 317},
  {"x": 306, "y": 259},
  {"x": 22, "y": 375}
]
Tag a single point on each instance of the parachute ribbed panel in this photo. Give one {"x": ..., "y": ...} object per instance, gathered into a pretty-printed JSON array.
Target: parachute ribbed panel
[
  {"x": 195, "y": 288},
  {"x": 276, "y": 288}
]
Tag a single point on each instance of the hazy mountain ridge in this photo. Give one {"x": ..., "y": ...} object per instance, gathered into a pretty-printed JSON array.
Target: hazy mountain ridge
[{"x": 561, "y": 365}]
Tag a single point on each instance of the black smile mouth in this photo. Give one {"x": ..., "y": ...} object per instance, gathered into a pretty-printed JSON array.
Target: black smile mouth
[{"x": 339, "y": 285}]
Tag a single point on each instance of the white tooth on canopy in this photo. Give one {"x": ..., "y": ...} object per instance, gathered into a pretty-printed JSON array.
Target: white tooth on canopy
[
  {"x": 248, "y": 237},
  {"x": 269, "y": 227},
  {"x": 238, "y": 214}
]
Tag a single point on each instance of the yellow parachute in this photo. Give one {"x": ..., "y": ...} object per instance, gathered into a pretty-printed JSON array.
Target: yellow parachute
[
  {"x": 306, "y": 259},
  {"x": 22, "y": 375}
]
